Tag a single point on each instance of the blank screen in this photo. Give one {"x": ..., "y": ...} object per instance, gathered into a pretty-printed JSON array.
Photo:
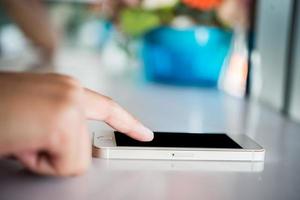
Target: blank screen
[{"x": 183, "y": 140}]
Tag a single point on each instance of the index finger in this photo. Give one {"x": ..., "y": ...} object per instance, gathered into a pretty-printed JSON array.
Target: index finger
[{"x": 99, "y": 107}]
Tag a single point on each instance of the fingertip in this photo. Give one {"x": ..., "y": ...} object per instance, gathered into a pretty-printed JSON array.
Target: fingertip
[{"x": 145, "y": 134}]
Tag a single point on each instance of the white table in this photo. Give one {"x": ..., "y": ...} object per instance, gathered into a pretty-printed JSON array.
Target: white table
[{"x": 166, "y": 108}]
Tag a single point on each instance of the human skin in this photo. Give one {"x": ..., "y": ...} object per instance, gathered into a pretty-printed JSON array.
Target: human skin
[
  {"x": 32, "y": 18},
  {"x": 43, "y": 122}
]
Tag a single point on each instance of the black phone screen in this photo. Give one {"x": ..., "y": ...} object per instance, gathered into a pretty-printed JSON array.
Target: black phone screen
[{"x": 181, "y": 140}]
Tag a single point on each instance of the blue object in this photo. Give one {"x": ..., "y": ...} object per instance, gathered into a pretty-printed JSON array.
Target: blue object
[{"x": 192, "y": 56}]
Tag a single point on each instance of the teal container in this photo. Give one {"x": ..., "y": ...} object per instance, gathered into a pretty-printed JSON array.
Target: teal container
[{"x": 193, "y": 56}]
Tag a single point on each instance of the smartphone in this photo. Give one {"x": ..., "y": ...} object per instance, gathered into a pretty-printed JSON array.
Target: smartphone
[{"x": 178, "y": 146}]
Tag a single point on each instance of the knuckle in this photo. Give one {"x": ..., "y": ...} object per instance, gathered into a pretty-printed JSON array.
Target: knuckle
[
  {"x": 72, "y": 82},
  {"x": 71, "y": 89},
  {"x": 66, "y": 91},
  {"x": 62, "y": 78},
  {"x": 69, "y": 97},
  {"x": 65, "y": 84}
]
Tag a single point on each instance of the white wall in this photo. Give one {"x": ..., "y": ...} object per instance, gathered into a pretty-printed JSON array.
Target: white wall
[
  {"x": 294, "y": 110},
  {"x": 272, "y": 29}
]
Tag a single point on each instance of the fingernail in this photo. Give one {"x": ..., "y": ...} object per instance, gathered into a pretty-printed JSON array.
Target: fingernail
[{"x": 146, "y": 133}]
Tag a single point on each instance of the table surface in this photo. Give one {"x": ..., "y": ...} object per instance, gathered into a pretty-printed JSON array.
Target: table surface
[{"x": 167, "y": 108}]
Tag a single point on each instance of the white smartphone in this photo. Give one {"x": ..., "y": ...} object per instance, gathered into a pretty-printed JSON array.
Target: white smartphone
[{"x": 178, "y": 146}]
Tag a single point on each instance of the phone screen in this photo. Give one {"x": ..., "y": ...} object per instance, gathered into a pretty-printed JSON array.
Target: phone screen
[{"x": 181, "y": 140}]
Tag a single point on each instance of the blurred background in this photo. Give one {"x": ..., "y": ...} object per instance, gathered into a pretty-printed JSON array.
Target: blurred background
[{"x": 248, "y": 49}]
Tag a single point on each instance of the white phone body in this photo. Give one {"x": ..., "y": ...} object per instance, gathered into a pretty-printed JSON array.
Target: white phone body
[{"x": 104, "y": 146}]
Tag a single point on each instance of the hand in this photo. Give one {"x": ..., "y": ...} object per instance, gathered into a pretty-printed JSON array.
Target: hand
[
  {"x": 32, "y": 18},
  {"x": 43, "y": 122}
]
